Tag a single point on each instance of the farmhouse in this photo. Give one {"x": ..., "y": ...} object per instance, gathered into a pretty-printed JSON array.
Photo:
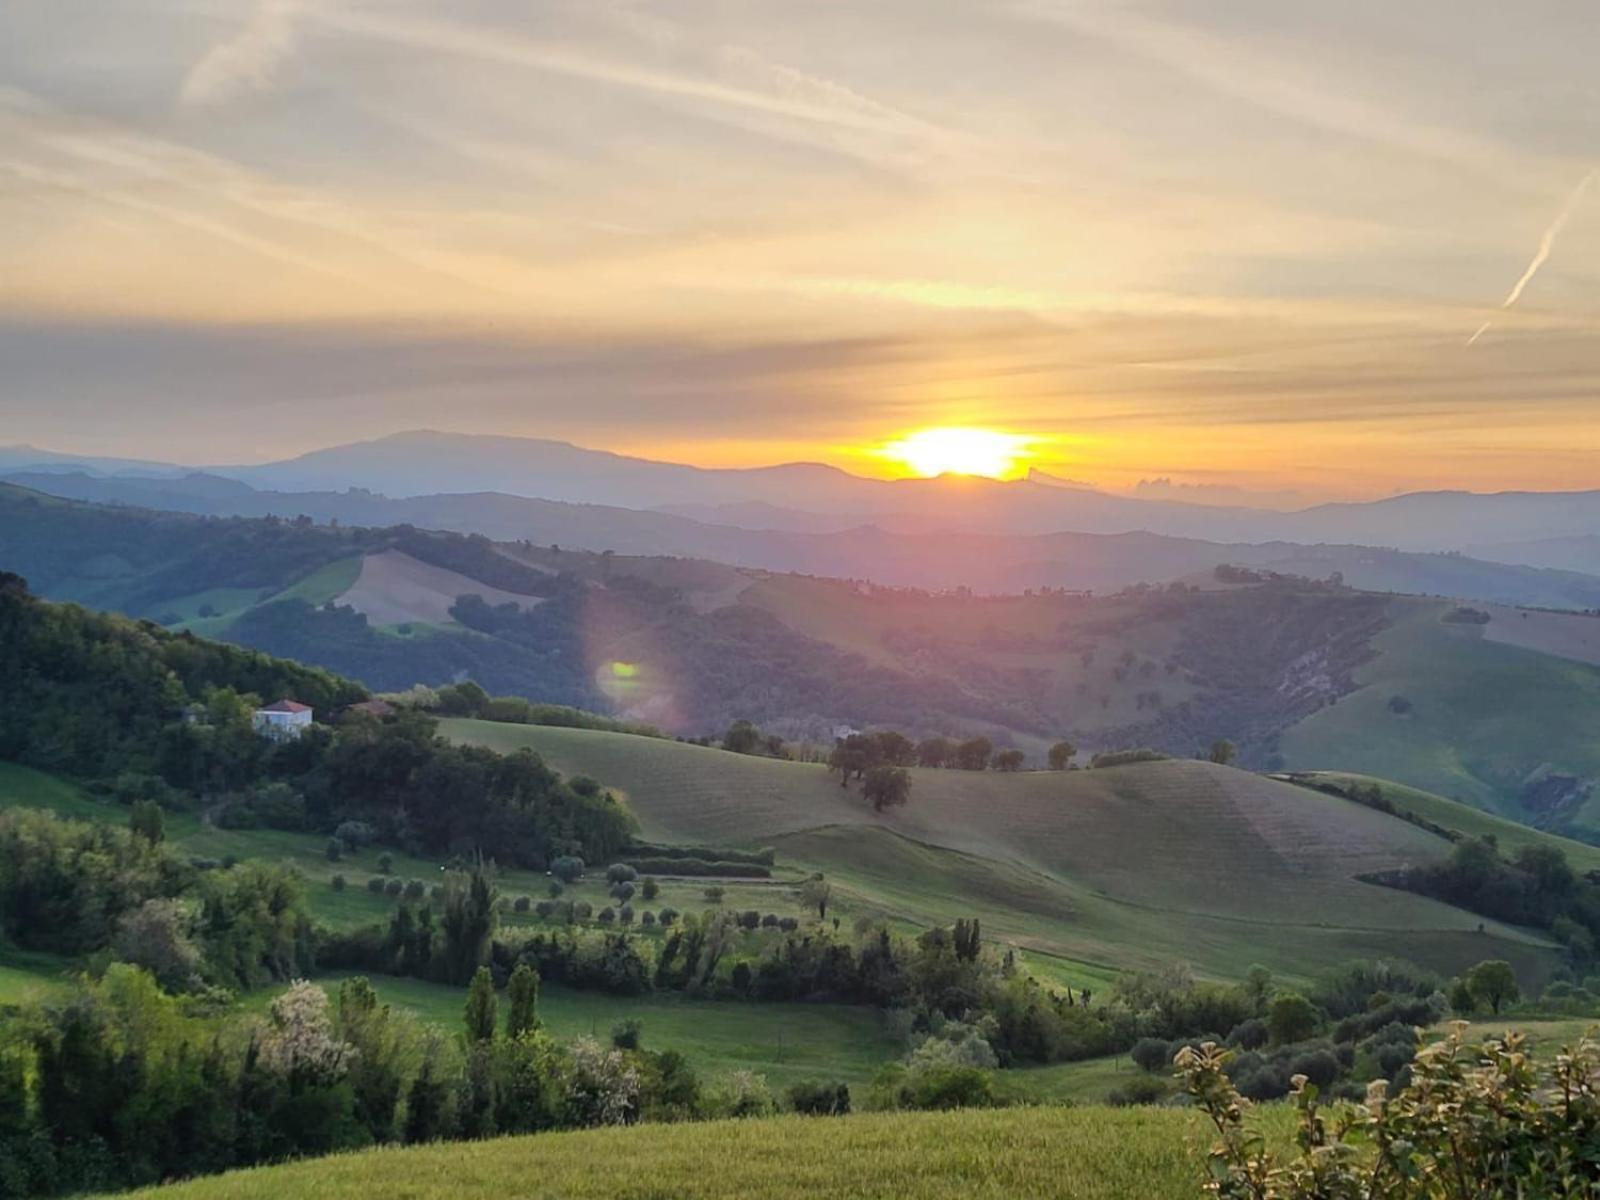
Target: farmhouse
[{"x": 282, "y": 721}]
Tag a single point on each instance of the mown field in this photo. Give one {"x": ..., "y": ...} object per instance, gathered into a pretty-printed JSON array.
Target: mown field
[
  {"x": 1072, "y": 1153},
  {"x": 1462, "y": 738},
  {"x": 1089, "y": 870}
]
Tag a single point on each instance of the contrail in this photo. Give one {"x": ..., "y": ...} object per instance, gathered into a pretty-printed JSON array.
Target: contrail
[{"x": 1546, "y": 244}]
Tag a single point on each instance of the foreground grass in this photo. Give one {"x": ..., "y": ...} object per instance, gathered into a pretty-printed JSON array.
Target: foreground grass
[{"x": 1076, "y": 1154}]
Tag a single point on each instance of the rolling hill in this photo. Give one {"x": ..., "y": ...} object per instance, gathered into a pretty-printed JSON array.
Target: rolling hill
[
  {"x": 890, "y": 550},
  {"x": 1141, "y": 864},
  {"x": 1114, "y": 1154}
]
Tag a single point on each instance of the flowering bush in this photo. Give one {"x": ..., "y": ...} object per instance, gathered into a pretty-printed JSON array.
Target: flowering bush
[{"x": 1479, "y": 1121}]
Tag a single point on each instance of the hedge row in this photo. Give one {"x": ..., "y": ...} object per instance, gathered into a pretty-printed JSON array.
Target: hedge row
[{"x": 699, "y": 866}]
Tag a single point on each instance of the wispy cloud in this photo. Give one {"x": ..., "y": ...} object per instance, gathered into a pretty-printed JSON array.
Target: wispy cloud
[
  {"x": 246, "y": 60},
  {"x": 1547, "y": 243}
]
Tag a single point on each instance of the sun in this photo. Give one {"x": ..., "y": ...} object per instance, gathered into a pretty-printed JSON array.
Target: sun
[{"x": 952, "y": 450}]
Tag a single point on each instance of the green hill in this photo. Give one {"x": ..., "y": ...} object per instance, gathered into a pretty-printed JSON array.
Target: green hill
[
  {"x": 1072, "y": 1153},
  {"x": 1138, "y": 865},
  {"x": 1508, "y": 729}
]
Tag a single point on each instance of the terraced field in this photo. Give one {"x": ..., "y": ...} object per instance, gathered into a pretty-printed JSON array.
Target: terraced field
[{"x": 1131, "y": 865}]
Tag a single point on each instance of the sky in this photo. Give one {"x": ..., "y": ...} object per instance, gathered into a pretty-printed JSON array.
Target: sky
[{"x": 1245, "y": 246}]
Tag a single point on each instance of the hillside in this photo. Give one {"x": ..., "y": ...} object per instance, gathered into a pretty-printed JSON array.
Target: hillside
[
  {"x": 900, "y": 550},
  {"x": 1141, "y": 864},
  {"x": 1076, "y": 1154},
  {"x": 1298, "y": 674},
  {"x": 1502, "y": 726}
]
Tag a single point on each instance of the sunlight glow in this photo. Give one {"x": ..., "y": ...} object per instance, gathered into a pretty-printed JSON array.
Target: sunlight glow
[{"x": 959, "y": 451}]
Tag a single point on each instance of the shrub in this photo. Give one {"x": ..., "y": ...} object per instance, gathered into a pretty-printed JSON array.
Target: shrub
[
  {"x": 814, "y": 1099},
  {"x": 1249, "y": 1035},
  {"x": 625, "y": 914},
  {"x": 607, "y": 915},
  {"x": 376, "y": 884},
  {"x": 1152, "y": 1054},
  {"x": 555, "y": 889},
  {"x": 567, "y": 868},
  {"x": 544, "y": 909},
  {"x": 947, "y": 1087},
  {"x": 522, "y": 904},
  {"x": 647, "y": 918},
  {"x": 394, "y": 887},
  {"x": 649, "y": 888},
  {"x": 620, "y": 872},
  {"x": 739, "y": 1094},
  {"x": 385, "y": 864},
  {"x": 1478, "y": 1119},
  {"x": 625, "y": 1034},
  {"x": 667, "y": 915},
  {"x": 415, "y": 889},
  {"x": 1139, "y": 1090},
  {"x": 338, "y": 883}
]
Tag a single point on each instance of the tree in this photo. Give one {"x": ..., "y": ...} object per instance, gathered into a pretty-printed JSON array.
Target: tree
[
  {"x": 481, "y": 1012},
  {"x": 522, "y": 994},
  {"x": 815, "y": 893},
  {"x": 1008, "y": 760},
  {"x": 468, "y": 923},
  {"x": 887, "y": 787},
  {"x": 895, "y": 748},
  {"x": 1061, "y": 755},
  {"x": 934, "y": 752},
  {"x": 146, "y": 820},
  {"x": 855, "y": 755},
  {"x": 1291, "y": 1018},
  {"x": 649, "y": 888},
  {"x": 973, "y": 754},
  {"x": 1493, "y": 983},
  {"x": 157, "y": 937},
  {"x": 1223, "y": 752},
  {"x": 715, "y": 893},
  {"x": 567, "y": 868},
  {"x": 742, "y": 738}
]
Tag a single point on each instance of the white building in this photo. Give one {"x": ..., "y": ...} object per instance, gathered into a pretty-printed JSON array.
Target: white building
[{"x": 281, "y": 721}]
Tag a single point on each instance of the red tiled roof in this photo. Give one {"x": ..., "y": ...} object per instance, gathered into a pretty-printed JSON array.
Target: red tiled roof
[{"x": 287, "y": 706}]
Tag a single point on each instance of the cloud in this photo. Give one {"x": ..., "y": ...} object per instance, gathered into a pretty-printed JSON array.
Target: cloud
[{"x": 246, "y": 61}]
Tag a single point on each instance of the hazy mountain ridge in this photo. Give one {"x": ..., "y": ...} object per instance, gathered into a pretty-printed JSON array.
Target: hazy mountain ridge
[
  {"x": 907, "y": 557},
  {"x": 814, "y": 497}
]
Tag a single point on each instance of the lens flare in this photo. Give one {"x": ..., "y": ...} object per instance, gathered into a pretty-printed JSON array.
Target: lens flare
[{"x": 959, "y": 451}]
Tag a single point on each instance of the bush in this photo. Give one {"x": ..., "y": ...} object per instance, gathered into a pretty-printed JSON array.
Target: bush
[
  {"x": 620, "y": 873},
  {"x": 1478, "y": 1114},
  {"x": 415, "y": 889},
  {"x": 649, "y": 888},
  {"x": 607, "y": 915},
  {"x": 1152, "y": 1054},
  {"x": 1139, "y": 1090},
  {"x": 667, "y": 915},
  {"x": 376, "y": 884},
  {"x": 947, "y": 1087},
  {"x": 647, "y": 918},
  {"x": 625, "y": 914},
  {"x": 522, "y": 904},
  {"x": 567, "y": 868},
  {"x": 544, "y": 909},
  {"x": 338, "y": 883},
  {"x": 1249, "y": 1035},
  {"x": 394, "y": 887},
  {"x": 385, "y": 864},
  {"x": 334, "y": 850},
  {"x": 814, "y": 1099}
]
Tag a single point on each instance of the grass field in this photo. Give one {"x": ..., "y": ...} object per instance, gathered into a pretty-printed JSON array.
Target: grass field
[
  {"x": 1129, "y": 866},
  {"x": 785, "y": 1042},
  {"x": 1072, "y": 1153},
  {"x": 1462, "y": 738},
  {"x": 1510, "y": 835}
]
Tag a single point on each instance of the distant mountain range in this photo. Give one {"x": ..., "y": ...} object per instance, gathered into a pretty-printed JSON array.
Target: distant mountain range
[
  {"x": 439, "y": 470},
  {"x": 902, "y": 553}
]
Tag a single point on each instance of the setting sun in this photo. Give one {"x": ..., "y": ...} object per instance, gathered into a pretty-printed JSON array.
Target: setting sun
[{"x": 959, "y": 451}]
